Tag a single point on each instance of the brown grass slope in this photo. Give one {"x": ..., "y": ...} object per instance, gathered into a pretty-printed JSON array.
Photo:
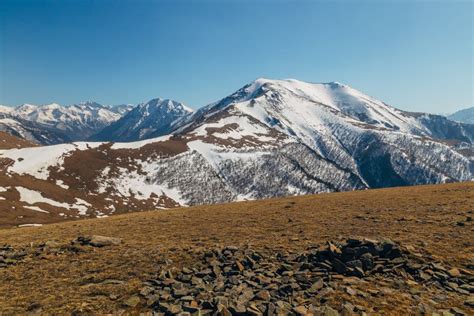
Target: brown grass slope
[
  {"x": 8, "y": 141},
  {"x": 425, "y": 217}
]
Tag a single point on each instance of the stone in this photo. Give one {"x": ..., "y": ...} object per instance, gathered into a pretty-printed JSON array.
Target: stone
[
  {"x": 98, "y": 241},
  {"x": 316, "y": 286},
  {"x": 263, "y": 295},
  {"x": 350, "y": 291},
  {"x": 146, "y": 290},
  {"x": 325, "y": 311},
  {"x": 300, "y": 310},
  {"x": 132, "y": 301},
  {"x": 186, "y": 270},
  {"x": 454, "y": 272},
  {"x": 339, "y": 266},
  {"x": 469, "y": 302},
  {"x": 457, "y": 311},
  {"x": 253, "y": 310},
  {"x": 367, "y": 261},
  {"x": 347, "y": 309},
  {"x": 238, "y": 309},
  {"x": 223, "y": 311},
  {"x": 333, "y": 248}
]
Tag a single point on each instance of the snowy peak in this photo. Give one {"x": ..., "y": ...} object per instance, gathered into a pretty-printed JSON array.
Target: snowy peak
[
  {"x": 154, "y": 118},
  {"x": 334, "y": 95},
  {"x": 165, "y": 105}
]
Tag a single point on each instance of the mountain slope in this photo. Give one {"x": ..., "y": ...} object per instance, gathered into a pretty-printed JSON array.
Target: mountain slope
[
  {"x": 270, "y": 138},
  {"x": 8, "y": 141},
  {"x": 152, "y": 119},
  {"x": 464, "y": 116},
  {"x": 31, "y": 131}
]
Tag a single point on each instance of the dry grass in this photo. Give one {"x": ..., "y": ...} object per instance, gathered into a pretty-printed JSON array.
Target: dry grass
[
  {"x": 8, "y": 141},
  {"x": 422, "y": 216}
]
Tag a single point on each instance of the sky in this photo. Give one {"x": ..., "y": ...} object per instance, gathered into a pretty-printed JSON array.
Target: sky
[{"x": 415, "y": 55}]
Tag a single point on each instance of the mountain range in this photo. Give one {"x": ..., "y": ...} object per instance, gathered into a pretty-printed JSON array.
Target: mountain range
[
  {"x": 463, "y": 116},
  {"x": 270, "y": 138},
  {"x": 53, "y": 123}
]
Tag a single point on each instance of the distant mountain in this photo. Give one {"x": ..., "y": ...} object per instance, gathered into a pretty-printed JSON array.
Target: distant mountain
[
  {"x": 54, "y": 123},
  {"x": 31, "y": 131},
  {"x": 270, "y": 138},
  {"x": 79, "y": 121},
  {"x": 464, "y": 116},
  {"x": 122, "y": 109},
  {"x": 147, "y": 120}
]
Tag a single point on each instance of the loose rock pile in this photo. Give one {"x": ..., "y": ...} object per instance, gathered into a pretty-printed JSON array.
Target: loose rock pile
[
  {"x": 237, "y": 281},
  {"x": 11, "y": 256}
]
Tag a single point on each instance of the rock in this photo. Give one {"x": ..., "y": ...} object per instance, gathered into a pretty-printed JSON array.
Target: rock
[
  {"x": 238, "y": 309},
  {"x": 132, "y": 301},
  {"x": 34, "y": 308},
  {"x": 253, "y": 310},
  {"x": 223, "y": 311},
  {"x": 469, "y": 302},
  {"x": 367, "y": 261},
  {"x": 318, "y": 285},
  {"x": 454, "y": 272},
  {"x": 325, "y": 311},
  {"x": 239, "y": 281},
  {"x": 339, "y": 266},
  {"x": 263, "y": 295},
  {"x": 98, "y": 241},
  {"x": 333, "y": 248},
  {"x": 347, "y": 309},
  {"x": 300, "y": 310},
  {"x": 457, "y": 311},
  {"x": 350, "y": 291},
  {"x": 186, "y": 270},
  {"x": 354, "y": 264}
]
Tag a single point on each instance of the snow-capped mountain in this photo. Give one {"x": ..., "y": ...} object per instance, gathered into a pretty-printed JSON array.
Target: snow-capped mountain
[
  {"x": 54, "y": 123},
  {"x": 270, "y": 138},
  {"x": 79, "y": 121},
  {"x": 151, "y": 119},
  {"x": 464, "y": 116},
  {"x": 31, "y": 131},
  {"x": 122, "y": 109}
]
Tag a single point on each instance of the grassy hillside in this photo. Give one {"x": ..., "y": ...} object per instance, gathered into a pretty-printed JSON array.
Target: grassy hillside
[{"x": 435, "y": 221}]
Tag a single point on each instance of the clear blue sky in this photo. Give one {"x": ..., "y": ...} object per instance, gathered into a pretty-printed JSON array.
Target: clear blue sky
[{"x": 416, "y": 55}]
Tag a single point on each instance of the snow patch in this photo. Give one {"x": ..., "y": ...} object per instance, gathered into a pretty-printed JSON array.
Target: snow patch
[
  {"x": 35, "y": 208},
  {"x": 139, "y": 144}
]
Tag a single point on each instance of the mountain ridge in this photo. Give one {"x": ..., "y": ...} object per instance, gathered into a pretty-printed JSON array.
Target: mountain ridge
[
  {"x": 464, "y": 115},
  {"x": 270, "y": 138},
  {"x": 147, "y": 120}
]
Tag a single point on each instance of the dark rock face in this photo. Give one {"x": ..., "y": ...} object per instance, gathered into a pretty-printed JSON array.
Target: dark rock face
[{"x": 242, "y": 281}]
